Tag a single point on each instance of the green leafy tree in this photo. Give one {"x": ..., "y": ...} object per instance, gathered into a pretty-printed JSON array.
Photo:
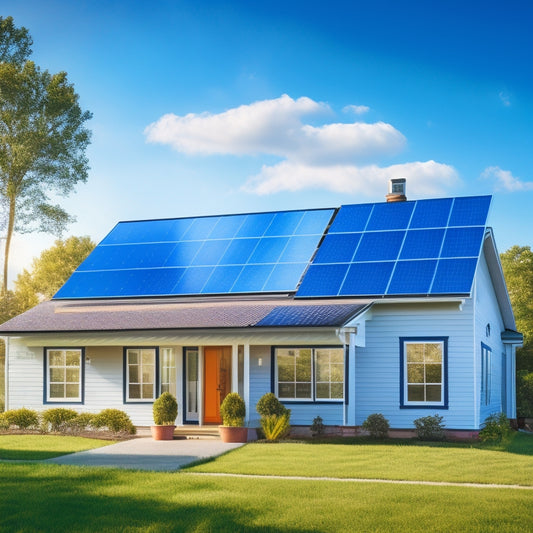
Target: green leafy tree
[
  {"x": 517, "y": 263},
  {"x": 42, "y": 140}
]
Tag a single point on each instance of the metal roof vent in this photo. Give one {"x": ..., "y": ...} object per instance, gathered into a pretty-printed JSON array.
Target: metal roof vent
[{"x": 396, "y": 190}]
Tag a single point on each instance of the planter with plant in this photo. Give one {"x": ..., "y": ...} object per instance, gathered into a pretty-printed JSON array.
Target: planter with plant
[
  {"x": 233, "y": 411},
  {"x": 165, "y": 413}
]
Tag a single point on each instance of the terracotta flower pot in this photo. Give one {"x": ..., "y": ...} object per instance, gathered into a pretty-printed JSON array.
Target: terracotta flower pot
[
  {"x": 163, "y": 432},
  {"x": 233, "y": 434}
]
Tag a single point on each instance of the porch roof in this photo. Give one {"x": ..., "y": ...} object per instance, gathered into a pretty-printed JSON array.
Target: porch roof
[{"x": 192, "y": 313}]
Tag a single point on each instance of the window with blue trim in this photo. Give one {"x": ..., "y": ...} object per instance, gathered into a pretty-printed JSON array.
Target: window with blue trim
[
  {"x": 64, "y": 375},
  {"x": 486, "y": 374},
  {"x": 310, "y": 374},
  {"x": 423, "y": 372},
  {"x": 140, "y": 374}
]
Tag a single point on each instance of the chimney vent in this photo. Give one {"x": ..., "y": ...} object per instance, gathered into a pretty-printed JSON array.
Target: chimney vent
[{"x": 396, "y": 190}]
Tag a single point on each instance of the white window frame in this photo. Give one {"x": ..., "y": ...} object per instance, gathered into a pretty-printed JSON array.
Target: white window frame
[
  {"x": 127, "y": 365},
  {"x": 167, "y": 372},
  {"x": 314, "y": 375},
  {"x": 486, "y": 374},
  {"x": 49, "y": 382},
  {"x": 405, "y": 402}
]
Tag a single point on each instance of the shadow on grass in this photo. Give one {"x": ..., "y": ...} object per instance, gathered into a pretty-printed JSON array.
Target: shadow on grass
[{"x": 60, "y": 499}]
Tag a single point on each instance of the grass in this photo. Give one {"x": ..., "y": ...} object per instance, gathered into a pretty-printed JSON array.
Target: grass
[
  {"x": 403, "y": 460},
  {"x": 40, "y": 497},
  {"x": 36, "y": 447}
]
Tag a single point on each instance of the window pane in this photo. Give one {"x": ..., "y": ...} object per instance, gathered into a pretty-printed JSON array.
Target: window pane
[
  {"x": 148, "y": 374},
  {"x": 415, "y": 393},
  {"x": 73, "y": 358},
  {"x": 73, "y": 375},
  {"x": 133, "y": 357},
  {"x": 433, "y": 373},
  {"x": 337, "y": 391},
  {"x": 148, "y": 390},
  {"x": 303, "y": 365},
  {"x": 134, "y": 392},
  {"x": 285, "y": 371},
  {"x": 72, "y": 390},
  {"x": 192, "y": 366},
  {"x": 433, "y": 353},
  {"x": 415, "y": 352},
  {"x": 303, "y": 390},
  {"x": 57, "y": 390},
  {"x": 57, "y": 374},
  {"x": 165, "y": 388},
  {"x": 286, "y": 390},
  {"x": 56, "y": 358},
  {"x": 433, "y": 393},
  {"x": 337, "y": 373},
  {"x": 415, "y": 373},
  {"x": 148, "y": 357},
  {"x": 337, "y": 355},
  {"x": 323, "y": 372},
  {"x": 134, "y": 374},
  {"x": 322, "y": 390}
]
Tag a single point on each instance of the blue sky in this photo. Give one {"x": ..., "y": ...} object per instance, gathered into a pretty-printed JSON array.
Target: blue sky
[{"x": 204, "y": 107}]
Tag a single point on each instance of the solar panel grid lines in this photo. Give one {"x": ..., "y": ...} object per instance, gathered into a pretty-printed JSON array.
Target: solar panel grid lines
[{"x": 248, "y": 253}]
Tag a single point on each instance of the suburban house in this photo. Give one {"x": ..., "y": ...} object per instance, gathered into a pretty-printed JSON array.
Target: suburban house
[{"x": 397, "y": 308}]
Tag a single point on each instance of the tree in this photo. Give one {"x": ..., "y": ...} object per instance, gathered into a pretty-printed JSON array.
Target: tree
[
  {"x": 517, "y": 263},
  {"x": 42, "y": 140}
]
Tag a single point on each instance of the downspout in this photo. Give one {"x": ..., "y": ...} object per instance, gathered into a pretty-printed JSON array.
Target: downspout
[{"x": 6, "y": 374}]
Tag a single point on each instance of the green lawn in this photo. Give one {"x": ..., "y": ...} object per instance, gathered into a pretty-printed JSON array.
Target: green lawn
[
  {"x": 35, "y": 447},
  {"x": 458, "y": 462},
  {"x": 56, "y": 498}
]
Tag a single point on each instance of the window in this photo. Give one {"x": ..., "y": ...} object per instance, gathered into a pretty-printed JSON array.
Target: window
[
  {"x": 140, "y": 370},
  {"x": 168, "y": 371},
  {"x": 64, "y": 375},
  {"x": 486, "y": 374},
  {"x": 423, "y": 371},
  {"x": 313, "y": 374}
]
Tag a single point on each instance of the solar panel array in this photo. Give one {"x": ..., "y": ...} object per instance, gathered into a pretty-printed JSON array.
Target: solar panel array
[
  {"x": 250, "y": 253},
  {"x": 396, "y": 249}
]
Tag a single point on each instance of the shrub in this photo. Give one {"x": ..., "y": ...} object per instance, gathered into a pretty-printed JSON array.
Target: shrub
[
  {"x": 317, "y": 427},
  {"x": 233, "y": 410},
  {"x": 429, "y": 428},
  {"x": 269, "y": 405},
  {"x": 55, "y": 419},
  {"x": 165, "y": 410},
  {"x": 524, "y": 394},
  {"x": 377, "y": 425},
  {"x": 22, "y": 418},
  {"x": 276, "y": 427},
  {"x": 4, "y": 423},
  {"x": 80, "y": 423},
  {"x": 115, "y": 420},
  {"x": 495, "y": 428}
]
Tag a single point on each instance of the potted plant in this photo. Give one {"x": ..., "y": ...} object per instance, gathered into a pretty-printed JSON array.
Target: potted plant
[
  {"x": 233, "y": 411},
  {"x": 165, "y": 413}
]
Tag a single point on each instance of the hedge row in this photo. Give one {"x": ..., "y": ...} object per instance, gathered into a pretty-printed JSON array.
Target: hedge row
[{"x": 61, "y": 420}]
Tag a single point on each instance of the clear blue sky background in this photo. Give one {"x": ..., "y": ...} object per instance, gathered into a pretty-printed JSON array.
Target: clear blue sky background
[{"x": 439, "y": 92}]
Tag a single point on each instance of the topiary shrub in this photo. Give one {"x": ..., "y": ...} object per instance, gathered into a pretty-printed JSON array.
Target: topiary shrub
[
  {"x": 233, "y": 410},
  {"x": 114, "y": 420},
  {"x": 430, "y": 428},
  {"x": 22, "y": 418},
  {"x": 317, "y": 427},
  {"x": 165, "y": 410},
  {"x": 495, "y": 428},
  {"x": 377, "y": 425},
  {"x": 55, "y": 419},
  {"x": 269, "y": 405},
  {"x": 81, "y": 422},
  {"x": 276, "y": 427}
]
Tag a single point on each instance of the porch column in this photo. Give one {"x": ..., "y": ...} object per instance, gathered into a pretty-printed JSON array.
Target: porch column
[
  {"x": 246, "y": 380},
  {"x": 350, "y": 381},
  {"x": 234, "y": 368}
]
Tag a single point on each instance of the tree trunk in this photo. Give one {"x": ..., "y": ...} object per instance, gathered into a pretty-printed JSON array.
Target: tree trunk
[{"x": 9, "y": 234}]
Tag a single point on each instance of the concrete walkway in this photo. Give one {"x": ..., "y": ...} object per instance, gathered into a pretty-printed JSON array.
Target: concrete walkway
[{"x": 147, "y": 454}]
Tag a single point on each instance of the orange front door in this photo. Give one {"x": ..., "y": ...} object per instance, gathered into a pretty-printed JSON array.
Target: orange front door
[{"x": 217, "y": 381}]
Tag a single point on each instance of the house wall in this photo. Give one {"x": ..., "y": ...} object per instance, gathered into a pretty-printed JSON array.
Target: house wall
[
  {"x": 487, "y": 313},
  {"x": 375, "y": 388}
]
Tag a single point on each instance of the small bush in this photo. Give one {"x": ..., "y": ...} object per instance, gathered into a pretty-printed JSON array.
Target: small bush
[
  {"x": 495, "y": 428},
  {"x": 276, "y": 427},
  {"x": 233, "y": 410},
  {"x": 377, "y": 425},
  {"x": 317, "y": 427},
  {"x": 4, "y": 423},
  {"x": 55, "y": 419},
  {"x": 81, "y": 422},
  {"x": 269, "y": 405},
  {"x": 165, "y": 410},
  {"x": 22, "y": 418},
  {"x": 114, "y": 420},
  {"x": 430, "y": 428}
]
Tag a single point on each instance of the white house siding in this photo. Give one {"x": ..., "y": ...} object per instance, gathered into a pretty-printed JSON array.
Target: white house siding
[
  {"x": 24, "y": 376},
  {"x": 375, "y": 388},
  {"x": 487, "y": 313},
  {"x": 259, "y": 379}
]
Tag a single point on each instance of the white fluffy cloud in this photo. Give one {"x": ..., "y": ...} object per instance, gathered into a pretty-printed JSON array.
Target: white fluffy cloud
[
  {"x": 357, "y": 109},
  {"x": 505, "y": 181},
  {"x": 335, "y": 156}
]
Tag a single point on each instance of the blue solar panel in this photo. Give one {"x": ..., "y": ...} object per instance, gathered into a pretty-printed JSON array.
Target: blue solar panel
[
  {"x": 454, "y": 276},
  {"x": 227, "y": 227},
  {"x": 284, "y": 223},
  {"x": 193, "y": 280},
  {"x": 182, "y": 254},
  {"x": 269, "y": 250},
  {"x": 299, "y": 249},
  {"x": 252, "y": 278},
  {"x": 431, "y": 213},
  {"x": 210, "y": 252},
  {"x": 338, "y": 248},
  {"x": 256, "y": 225},
  {"x": 351, "y": 218},
  {"x": 470, "y": 211},
  {"x": 422, "y": 244},
  {"x": 323, "y": 280},
  {"x": 221, "y": 280},
  {"x": 389, "y": 216},
  {"x": 412, "y": 277},
  {"x": 367, "y": 279},
  {"x": 379, "y": 246},
  {"x": 463, "y": 242},
  {"x": 200, "y": 229},
  {"x": 284, "y": 277}
]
